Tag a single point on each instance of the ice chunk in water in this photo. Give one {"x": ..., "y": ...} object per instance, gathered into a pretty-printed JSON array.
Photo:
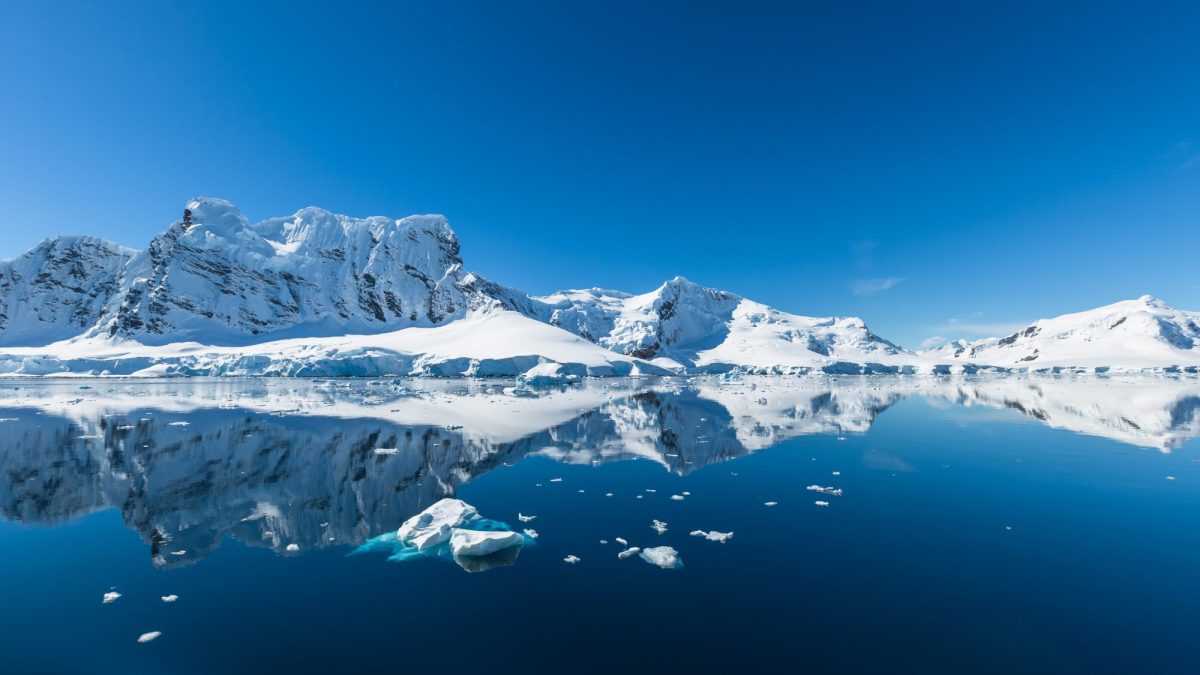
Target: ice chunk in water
[
  {"x": 721, "y": 537},
  {"x": 147, "y": 637},
  {"x": 628, "y": 552},
  {"x": 433, "y": 525},
  {"x": 476, "y": 543},
  {"x": 677, "y": 498},
  {"x": 571, "y": 559},
  {"x": 111, "y": 596},
  {"x": 770, "y": 503},
  {"x": 292, "y": 548},
  {"x": 531, "y": 533},
  {"x": 170, "y": 598},
  {"x": 659, "y": 526},
  {"x": 386, "y": 451},
  {"x": 663, "y": 556},
  {"x": 836, "y": 492},
  {"x": 821, "y": 503},
  {"x": 524, "y": 518}
]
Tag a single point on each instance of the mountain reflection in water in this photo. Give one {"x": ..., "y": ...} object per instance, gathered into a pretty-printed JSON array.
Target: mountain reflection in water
[{"x": 279, "y": 463}]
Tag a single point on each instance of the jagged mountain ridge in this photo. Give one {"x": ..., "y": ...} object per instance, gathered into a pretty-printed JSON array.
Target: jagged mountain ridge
[{"x": 317, "y": 293}]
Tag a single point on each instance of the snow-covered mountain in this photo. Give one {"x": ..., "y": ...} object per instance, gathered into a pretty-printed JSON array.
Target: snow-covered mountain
[
  {"x": 317, "y": 293},
  {"x": 212, "y": 277},
  {"x": 682, "y": 324},
  {"x": 1141, "y": 334},
  {"x": 59, "y": 289}
]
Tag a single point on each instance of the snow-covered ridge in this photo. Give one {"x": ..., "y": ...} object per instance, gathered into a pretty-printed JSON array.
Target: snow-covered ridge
[
  {"x": 317, "y": 293},
  {"x": 1141, "y": 334}
]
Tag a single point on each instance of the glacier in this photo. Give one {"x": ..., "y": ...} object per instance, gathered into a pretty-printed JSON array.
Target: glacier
[{"x": 318, "y": 294}]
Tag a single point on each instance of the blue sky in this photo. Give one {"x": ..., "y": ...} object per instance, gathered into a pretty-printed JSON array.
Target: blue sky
[{"x": 940, "y": 169}]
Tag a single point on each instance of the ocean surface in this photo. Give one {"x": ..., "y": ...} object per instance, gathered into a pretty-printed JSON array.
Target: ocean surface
[{"x": 973, "y": 526}]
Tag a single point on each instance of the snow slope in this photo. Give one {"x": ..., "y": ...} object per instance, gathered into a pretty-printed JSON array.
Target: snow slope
[
  {"x": 492, "y": 343},
  {"x": 1133, "y": 335},
  {"x": 703, "y": 329}
]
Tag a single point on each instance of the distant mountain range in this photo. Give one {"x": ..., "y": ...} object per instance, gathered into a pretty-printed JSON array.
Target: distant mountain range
[{"x": 317, "y": 293}]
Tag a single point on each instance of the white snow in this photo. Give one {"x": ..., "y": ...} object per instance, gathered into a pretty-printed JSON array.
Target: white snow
[
  {"x": 662, "y": 556},
  {"x": 477, "y": 543},
  {"x": 713, "y": 535},
  {"x": 435, "y": 524},
  {"x": 628, "y": 552}
]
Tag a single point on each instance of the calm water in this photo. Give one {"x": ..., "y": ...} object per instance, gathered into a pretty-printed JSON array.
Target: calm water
[{"x": 1017, "y": 525}]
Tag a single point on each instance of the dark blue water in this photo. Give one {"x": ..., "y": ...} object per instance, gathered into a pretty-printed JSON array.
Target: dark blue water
[{"x": 997, "y": 536}]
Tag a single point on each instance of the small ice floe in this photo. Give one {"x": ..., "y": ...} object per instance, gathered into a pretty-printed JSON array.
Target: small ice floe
[
  {"x": 662, "y": 556},
  {"x": 607, "y": 494},
  {"x": 572, "y": 559},
  {"x": 1008, "y": 527},
  {"x": 531, "y": 533},
  {"x": 90, "y": 437},
  {"x": 1170, "y": 477},
  {"x": 147, "y": 637},
  {"x": 651, "y": 490},
  {"x": 170, "y": 598},
  {"x": 555, "y": 480},
  {"x": 603, "y": 541},
  {"x": 837, "y": 473},
  {"x": 685, "y": 493},
  {"x": 628, "y": 552},
  {"x": 821, "y": 503},
  {"x": 125, "y": 427},
  {"x": 477, "y": 543},
  {"x": 659, "y": 526},
  {"x": 581, "y": 491},
  {"x": 621, "y": 541},
  {"x": 179, "y": 552},
  {"x": 841, "y": 438},
  {"x": 292, "y": 548},
  {"x": 178, "y": 424},
  {"x": 720, "y": 537},
  {"x": 770, "y": 503},
  {"x": 386, "y": 451},
  {"x": 640, "y": 496},
  {"x": 110, "y": 596},
  {"x": 678, "y": 498},
  {"x": 836, "y": 492},
  {"x": 524, "y": 518}
]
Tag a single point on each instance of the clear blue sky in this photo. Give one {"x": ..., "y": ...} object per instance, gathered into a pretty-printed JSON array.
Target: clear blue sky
[{"x": 936, "y": 168}]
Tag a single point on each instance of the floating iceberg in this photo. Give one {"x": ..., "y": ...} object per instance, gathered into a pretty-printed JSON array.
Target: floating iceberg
[
  {"x": 147, "y": 637},
  {"x": 572, "y": 559},
  {"x": 452, "y": 529},
  {"x": 659, "y": 526},
  {"x": 836, "y": 492},
  {"x": 628, "y": 552},
  {"x": 432, "y": 526},
  {"x": 721, "y": 537},
  {"x": 663, "y": 556},
  {"x": 476, "y": 543},
  {"x": 170, "y": 598},
  {"x": 111, "y": 596}
]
